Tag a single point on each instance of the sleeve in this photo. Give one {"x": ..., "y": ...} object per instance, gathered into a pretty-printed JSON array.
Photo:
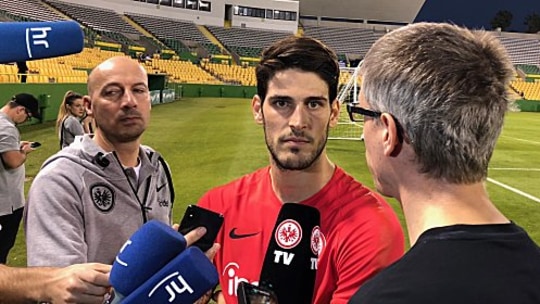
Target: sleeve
[
  {"x": 54, "y": 220},
  {"x": 9, "y": 140},
  {"x": 366, "y": 248},
  {"x": 166, "y": 179},
  {"x": 74, "y": 127}
]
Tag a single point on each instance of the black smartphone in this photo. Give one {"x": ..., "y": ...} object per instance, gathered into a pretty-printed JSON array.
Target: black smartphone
[
  {"x": 35, "y": 144},
  {"x": 251, "y": 294},
  {"x": 196, "y": 216}
]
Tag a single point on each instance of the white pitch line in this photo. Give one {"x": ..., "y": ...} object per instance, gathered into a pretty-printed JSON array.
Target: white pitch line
[
  {"x": 517, "y": 191},
  {"x": 515, "y": 169},
  {"x": 525, "y": 140}
]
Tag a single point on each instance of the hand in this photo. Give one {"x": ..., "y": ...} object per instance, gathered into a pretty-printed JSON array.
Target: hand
[
  {"x": 79, "y": 283},
  {"x": 205, "y": 298},
  {"x": 25, "y": 147},
  {"x": 195, "y": 235}
]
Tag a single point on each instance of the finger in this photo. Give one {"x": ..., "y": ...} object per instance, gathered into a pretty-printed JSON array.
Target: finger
[
  {"x": 104, "y": 268},
  {"x": 96, "y": 278},
  {"x": 194, "y": 235},
  {"x": 220, "y": 298},
  {"x": 175, "y": 227},
  {"x": 89, "y": 299},
  {"x": 211, "y": 253}
]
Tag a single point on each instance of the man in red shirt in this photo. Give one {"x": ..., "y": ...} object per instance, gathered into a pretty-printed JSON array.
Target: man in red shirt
[{"x": 296, "y": 104}]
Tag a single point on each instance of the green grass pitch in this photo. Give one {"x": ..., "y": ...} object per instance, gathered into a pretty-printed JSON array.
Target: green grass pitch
[{"x": 210, "y": 141}]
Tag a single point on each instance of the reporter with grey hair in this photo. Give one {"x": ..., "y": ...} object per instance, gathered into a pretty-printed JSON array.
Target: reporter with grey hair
[{"x": 433, "y": 99}]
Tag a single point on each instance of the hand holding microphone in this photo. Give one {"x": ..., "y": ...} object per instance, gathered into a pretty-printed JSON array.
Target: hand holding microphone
[{"x": 154, "y": 266}]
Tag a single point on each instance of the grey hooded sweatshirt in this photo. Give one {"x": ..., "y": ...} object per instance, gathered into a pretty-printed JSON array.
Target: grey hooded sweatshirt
[{"x": 82, "y": 206}]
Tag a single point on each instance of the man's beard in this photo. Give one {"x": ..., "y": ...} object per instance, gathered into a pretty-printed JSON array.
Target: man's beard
[{"x": 296, "y": 164}]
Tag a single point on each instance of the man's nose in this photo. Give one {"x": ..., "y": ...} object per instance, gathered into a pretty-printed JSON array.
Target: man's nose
[{"x": 298, "y": 118}]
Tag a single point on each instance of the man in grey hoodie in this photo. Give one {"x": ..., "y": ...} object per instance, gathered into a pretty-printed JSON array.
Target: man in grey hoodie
[{"x": 89, "y": 198}]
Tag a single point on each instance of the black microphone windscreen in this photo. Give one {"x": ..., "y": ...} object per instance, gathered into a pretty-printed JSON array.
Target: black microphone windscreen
[{"x": 290, "y": 262}]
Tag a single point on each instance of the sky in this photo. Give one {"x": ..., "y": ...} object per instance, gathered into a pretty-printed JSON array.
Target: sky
[{"x": 478, "y": 13}]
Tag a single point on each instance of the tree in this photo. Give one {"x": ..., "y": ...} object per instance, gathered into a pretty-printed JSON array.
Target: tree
[
  {"x": 532, "y": 22},
  {"x": 502, "y": 19}
]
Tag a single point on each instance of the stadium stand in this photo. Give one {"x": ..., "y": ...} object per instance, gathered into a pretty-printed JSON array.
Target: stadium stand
[
  {"x": 96, "y": 18},
  {"x": 245, "y": 42},
  {"x": 528, "y": 89},
  {"x": 522, "y": 51},
  {"x": 203, "y": 54},
  {"x": 529, "y": 68},
  {"x": 344, "y": 40},
  {"x": 176, "y": 34},
  {"x": 29, "y": 10},
  {"x": 231, "y": 74},
  {"x": 181, "y": 71}
]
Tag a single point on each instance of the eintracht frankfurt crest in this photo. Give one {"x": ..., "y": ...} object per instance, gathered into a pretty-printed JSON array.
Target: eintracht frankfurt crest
[
  {"x": 317, "y": 241},
  {"x": 288, "y": 234}
]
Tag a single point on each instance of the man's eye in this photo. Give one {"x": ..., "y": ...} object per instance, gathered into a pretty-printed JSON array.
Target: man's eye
[
  {"x": 112, "y": 92},
  {"x": 281, "y": 103},
  {"x": 140, "y": 90},
  {"x": 314, "y": 104}
]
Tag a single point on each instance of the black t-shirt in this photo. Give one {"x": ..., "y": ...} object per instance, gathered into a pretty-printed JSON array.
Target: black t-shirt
[{"x": 461, "y": 264}]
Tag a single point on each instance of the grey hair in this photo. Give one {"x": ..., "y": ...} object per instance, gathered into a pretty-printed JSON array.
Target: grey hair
[{"x": 447, "y": 87}]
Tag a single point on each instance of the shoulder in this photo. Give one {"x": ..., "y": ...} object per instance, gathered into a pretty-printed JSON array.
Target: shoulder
[
  {"x": 220, "y": 195},
  {"x": 348, "y": 197},
  {"x": 8, "y": 129}
]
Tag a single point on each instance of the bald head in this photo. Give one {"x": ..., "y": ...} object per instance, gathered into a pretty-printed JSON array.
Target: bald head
[
  {"x": 119, "y": 100},
  {"x": 111, "y": 66}
]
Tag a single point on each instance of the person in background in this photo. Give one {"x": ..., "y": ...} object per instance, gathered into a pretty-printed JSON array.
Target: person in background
[
  {"x": 68, "y": 121},
  {"x": 22, "y": 70},
  {"x": 90, "y": 197},
  {"x": 13, "y": 153},
  {"x": 88, "y": 123},
  {"x": 433, "y": 101},
  {"x": 296, "y": 105}
]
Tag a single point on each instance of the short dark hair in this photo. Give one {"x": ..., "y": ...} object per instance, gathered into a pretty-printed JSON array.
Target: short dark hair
[{"x": 304, "y": 53}]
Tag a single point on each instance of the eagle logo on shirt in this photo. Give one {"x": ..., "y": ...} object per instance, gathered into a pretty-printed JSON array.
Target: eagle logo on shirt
[
  {"x": 288, "y": 234},
  {"x": 318, "y": 241},
  {"x": 102, "y": 197}
]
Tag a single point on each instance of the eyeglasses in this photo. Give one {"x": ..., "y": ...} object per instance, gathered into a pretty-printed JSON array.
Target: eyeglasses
[
  {"x": 353, "y": 109},
  {"x": 28, "y": 114}
]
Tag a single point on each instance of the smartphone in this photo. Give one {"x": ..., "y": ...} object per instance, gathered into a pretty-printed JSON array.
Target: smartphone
[
  {"x": 35, "y": 144},
  {"x": 251, "y": 294},
  {"x": 196, "y": 216}
]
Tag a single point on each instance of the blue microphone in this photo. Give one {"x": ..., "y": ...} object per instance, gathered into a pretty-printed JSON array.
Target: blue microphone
[
  {"x": 183, "y": 280},
  {"x": 147, "y": 251},
  {"x": 36, "y": 40}
]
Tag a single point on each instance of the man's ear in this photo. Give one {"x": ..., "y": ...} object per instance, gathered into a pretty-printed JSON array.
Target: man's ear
[
  {"x": 334, "y": 112},
  {"x": 87, "y": 102},
  {"x": 392, "y": 145},
  {"x": 256, "y": 109}
]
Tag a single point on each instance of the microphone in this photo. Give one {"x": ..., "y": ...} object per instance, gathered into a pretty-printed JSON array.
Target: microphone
[
  {"x": 36, "y": 40},
  {"x": 147, "y": 251},
  {"x": 291, "y": 258},
  {"x": 183, "y": 280}
]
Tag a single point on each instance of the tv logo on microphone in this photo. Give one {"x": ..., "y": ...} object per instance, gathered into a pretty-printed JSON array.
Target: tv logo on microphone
[
  {"x": 288, "y": 235},
  {"x": 36, "y": 36},
  {"x": 172, "y": 287}
]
